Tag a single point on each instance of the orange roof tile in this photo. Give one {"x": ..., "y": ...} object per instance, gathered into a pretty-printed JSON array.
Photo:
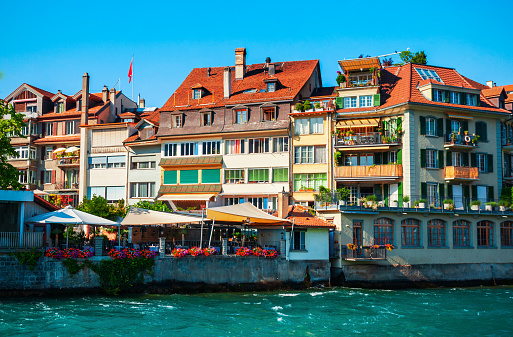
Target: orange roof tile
[
  {"x": 304, "y": 219},
  {"x": 492, "y": 92},
  {"x": 292, "y": 76},
  {"x": 45, "y": 93},
  {"x": 509, "y": 99}
]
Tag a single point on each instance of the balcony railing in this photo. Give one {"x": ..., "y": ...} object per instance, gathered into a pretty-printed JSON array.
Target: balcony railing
[
  {"x": 12, "y": 240},
  {"x": 463, "y": 173},
  {"x": 68, "y": 161},
  {"x": 390, "y": 170},
  {"x": 366, "y": 253},
  {"x": 368, "y": 138},
  {"x": 460, "y": 140},
  {"x": 66, "y": 186}
]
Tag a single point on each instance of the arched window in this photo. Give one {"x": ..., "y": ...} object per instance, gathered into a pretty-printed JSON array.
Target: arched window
[
  {"x": 436, "y": 233},
  {"x": 383, "y": 231},
  {"x": 484, "y": 233},
  {"x": 410, "y": 232},
  {"x": 507, "y": 234},
  {"x": 461, "y": 233}
]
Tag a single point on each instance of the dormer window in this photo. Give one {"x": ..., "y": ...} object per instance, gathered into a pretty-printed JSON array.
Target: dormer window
[
  {"x": 206, "y": 118},
  {"x": 60, "y": 107},
  {"x": 177, "y": 120},
  {"x": 271, "y": 87},
  {"x": 240, "y": 116},
  {"x": 438, "y": 95},
  {"x": 196, "y": 93},
  {"x": 455, "y": 97},
  {"x": 79, "y": 105},
  {"x": 268, "y": 114},
  {"x": 472, "y": 99}
]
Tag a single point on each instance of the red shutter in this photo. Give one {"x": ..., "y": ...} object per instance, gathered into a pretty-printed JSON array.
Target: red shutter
[
  {"x": 53, "y": 176},
  {"x": 55, "y": 129},
  {"x": 53, "y": 153},
  {"x": 64, "y": 128}
]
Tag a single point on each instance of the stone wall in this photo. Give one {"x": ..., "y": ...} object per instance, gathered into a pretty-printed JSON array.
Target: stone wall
[{"x": 51, "y": 274}]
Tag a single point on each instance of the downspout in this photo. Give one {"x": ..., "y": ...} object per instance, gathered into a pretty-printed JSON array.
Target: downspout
[{"x": 127, "y": 171}]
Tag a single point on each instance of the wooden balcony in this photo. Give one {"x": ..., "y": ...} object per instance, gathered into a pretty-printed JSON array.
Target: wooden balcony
[
  {"x": 68, "y": 162},
  {"x": 461, "y": 173},
  {"x": 390, "y": 172}
]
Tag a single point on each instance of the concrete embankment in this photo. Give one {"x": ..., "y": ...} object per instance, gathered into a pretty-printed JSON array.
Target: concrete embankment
[{"x": 188, "y": 274}]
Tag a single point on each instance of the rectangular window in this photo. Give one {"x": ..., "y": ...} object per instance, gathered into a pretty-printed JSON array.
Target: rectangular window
[
  {"x": 70, "y": 127},
  {"x": 97, "y": 162},
  {"x": 234, "y": 176},
  {"x": 60, "y": 107},
  {"x": 115, "y": 193},
  {"x": 271, "y": 87},
  {"x": 410, "y": 232},
  {"x": 349, "y": 102},
  {"x": 313, "y": 181},
  {"x": 258, "y": 175},
  {"x": 143, "y": 162},
  {"x": 280, "y": 175},
  {"x": 260, "y": 202},
  {"x": 298, "y": 240},
  {"x": 301, "y": 126},
  {"x": 206, "y": 119},
  {"x": 438, "y": 95},
  {"x": 177, "y": 121},
  {"x": 432, "y": 193},
  {"x": 170, "y": 177},
  {"x": 507, "y": 234},
  {"x": 436, "y": 233},
  {"x": 233, "y": 201},
  {"x": 142, "y": 190},
  {"x": 211, "y": 147},
  {"x": 189, "y": 149},
  {"x": 258, "y": 145},
  {"x": 268, "y": 114},
  {"x": 472, "y": 99},
  {"x": 170, "y": 150},
  {"x": 430, "y": 126},
  {"x": 383, "y": 231},
  {"x": 367, "y": 159},
  {"x": 48, "y": 176},
  {"x": 481, "y": 162},
  {"x": 457, "y": 159},
  {"x": 281, "y": 144},
  {"x": 365, "y": 101},
  {"x": 240, "y": 116},
  {"x": 116, "y": 161},
  {"x": 485, "y": 234},
  {"x": 431, "y": 159},
  {"x": 303, "y": 155},
  {"x": 48, "y": 129},
  {"x": 455, "y": 126},
  {"x": 455, "y": 97},
  {"x": 234, "y": 146},
  {"x": 461, "y": 233},
  {"x": 428, "y": 73},
  {"x": 197, "y": 93},
  {"x": 317, "y": 125},
  {"x": 210, "y": 176},
  {"x": 320, "y": 154},
  {"x": 392, "y": 157}
]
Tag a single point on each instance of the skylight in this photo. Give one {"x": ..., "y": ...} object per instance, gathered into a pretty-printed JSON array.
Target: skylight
[
  {"x": 250, "y": 91},
  {"x": 428, "y": 73}
]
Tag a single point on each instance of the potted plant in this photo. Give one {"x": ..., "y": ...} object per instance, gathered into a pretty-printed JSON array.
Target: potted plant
[
  {"x": 454, "y": 137},
  {"x": 317, "y": 106},
  {"x": 394, "y": 203},
  {"x": 502, "y": 205},
  {"x": 474, "y": 140},
  {"x": 490, "y": 206},
  {"x": 308, "y": 106},
  {"x": 302, "y": 189},
  {"x": 363, "y": 201},
  {"x": 341, "y": 79},
  {"x": 371, "y": 199},
  {"x": 474, "y": 205},
  {"x": 343, "y": 194},
  {"x": 422, "y": 203},
  {"x": 448, "y": 204},
  {"x": 299, "y": 107},
  {"x": 406, "y": 201}
]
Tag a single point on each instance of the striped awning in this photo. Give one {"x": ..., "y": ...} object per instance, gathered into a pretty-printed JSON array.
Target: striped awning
[
  {"x": 358, "y": 122},
  {"x": 459, "y": 115},
  {"x": 359, "y": 63}
]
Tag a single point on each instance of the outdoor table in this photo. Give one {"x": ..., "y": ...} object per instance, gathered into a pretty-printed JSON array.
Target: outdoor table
[{"x": 154, "y": 249}]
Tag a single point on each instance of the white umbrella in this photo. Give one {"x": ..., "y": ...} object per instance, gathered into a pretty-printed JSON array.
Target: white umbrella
[
  {"x": 70, "y": 216},
  {"x": 39, "y": 192},
  {"x": 59, "y": 150},
  {"x": 72, "y": 149}
]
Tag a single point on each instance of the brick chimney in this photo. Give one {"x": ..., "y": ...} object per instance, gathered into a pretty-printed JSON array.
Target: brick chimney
[
  {"x": 240, "y": 63},
  {"x": 113, "y": 111},
  {"x": 142, "y": 103},
  {"x": 85, "y": 99},
  {"x": 490, "y": 84},
  {"x": 227, "y": 82},
  {"x": 272, "y": 69},
  {"x": 105, "y": 94}
]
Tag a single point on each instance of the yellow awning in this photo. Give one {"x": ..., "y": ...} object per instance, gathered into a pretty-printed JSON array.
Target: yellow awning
[{"x": 358, "y": 122}]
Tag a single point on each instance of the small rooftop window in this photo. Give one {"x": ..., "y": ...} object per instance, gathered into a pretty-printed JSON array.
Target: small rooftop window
[
  {"x": 250, "y": 91},
  {"x": 428, "y": 73}
]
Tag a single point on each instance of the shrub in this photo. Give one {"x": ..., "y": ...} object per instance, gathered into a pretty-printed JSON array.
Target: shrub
[
  {"x": 307, "y": 105},
  {"x": 422, "y": 201},
  {"x": 372, "y": 198},
  {"x": 448, "y": 201},
  {"x": 299, "y": 107},
  {"x": 475, "y": 203},
  {"x": 406, "y": 198},
  {"x": 341, "y": 78}
]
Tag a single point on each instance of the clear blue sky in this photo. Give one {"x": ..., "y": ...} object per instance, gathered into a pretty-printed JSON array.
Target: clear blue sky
[{"x": 51, "y": 44}]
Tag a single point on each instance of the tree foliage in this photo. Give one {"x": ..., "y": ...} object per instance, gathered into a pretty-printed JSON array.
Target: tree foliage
[
  {"x": 154, "y": 206},
  {"x": 408, "y": 57},
  {"x": 11, "y": 123},
  {"x": 98, "y": 206}
]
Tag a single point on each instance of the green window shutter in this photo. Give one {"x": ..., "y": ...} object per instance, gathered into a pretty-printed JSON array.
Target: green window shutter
[
  {"x": 440, "y": 127},
  {"x": 280, "y": 174},
  {"x": 447, "y": 127},
  {"x": 489, "y": 191},
  {"x": 484, "y": 130},
  {"x": 448, "y": 158},
  {"x": 466, "y": 195},
  {"x": 433, "y": 95},
  {"x": 385, "y": 125},
  {"x": 474, "y": 192},
  {"x": 211, "y": 176},
  {"x": 478, "y": 129},
  {"x": 441, "y": 192},
  {"x": 385, "y": 158},
  {"x": 377, "y": 158},
  {"x": 465, "y": 159},
  {"x": 478, "y": 100},
  {"x": 188, "y": 176},
  {"x": 473, "y": 160},
  {"x": 170, "y": 177},
  {"x": 339, "y": 102},
  {"x": 423, "y": 190},
  {"x": 489, "y": 161},
  {"x": 422, "y": 121},
  {"x": 377, "y": 100},
  {"x": 423, "y": 158},
  {"x": 386, "y": 191},
  {"x": 449, "y": 191},
  {"x": 447, "y": 96},
  {"x": 400, "y": 193},
  {"x": 440, "y": 159},
  {"x": 464, "y": 126},
  {"x": 463, "y": 98},
  {"x": 400, "y": 156},
  {"x": 377, "y": 192}
]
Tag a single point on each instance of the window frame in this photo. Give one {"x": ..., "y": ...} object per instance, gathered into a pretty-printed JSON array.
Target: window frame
[
  {"x": 258, "y": 181},
  {"x": 282, "y": 143},
  {"x": 263, "y": 147},
  {"x": 431, "y": 131},
  {"x": 135, "y": 187},
  {"x": 301, "y": 240},
  {"x": 506, "y": 228},
  {"x": 462, "y": 237},
  {"x": 434, "y": 160},
  {"x": 286, "y": 171},
  {"x": 410, "y": 233},
  {"x": 211, "y": 147},
  {"x": 350, "y": 102},
  {"x": 482, "y": 161},
  {"x": 206, "y": 118},
  {"x": 367, "y": 101},
  {"x": 229, "y": 144},
  {"x": 244, "y": 113},
  {"x": 270, "y": 111},
  {"x": 484, "y": 233},
  {"x": 241, "y": 179},
  {"x": 384, "y": 226},
  {"x": 436, "y": 229}
]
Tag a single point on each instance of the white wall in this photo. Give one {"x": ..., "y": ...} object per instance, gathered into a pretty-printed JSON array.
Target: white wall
[
  {"x": 316, "y": 244},
  {"x": 144, "y": 175}
]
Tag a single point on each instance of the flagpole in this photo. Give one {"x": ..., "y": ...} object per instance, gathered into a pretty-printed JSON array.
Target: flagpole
[{"x": 132, "y": 77}]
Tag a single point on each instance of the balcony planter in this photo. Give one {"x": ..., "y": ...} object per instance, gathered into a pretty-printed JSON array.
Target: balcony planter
[
  {"x": 474, "y": 205},
  {"x": 488, "y": 208},
  {"x": 406, "y": 204},
  {"x": 393, "y": 203},
  {"x": 448, "y": 204},
  {"x": 502, "y": 208},
  {"x": 422, "y": 205},
  {"x": 309, "y": 190},
  {"x": 342, "y": 202}
]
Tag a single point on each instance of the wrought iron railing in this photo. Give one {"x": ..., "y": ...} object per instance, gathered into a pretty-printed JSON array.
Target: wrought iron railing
[{"x": 12, "y": 240}]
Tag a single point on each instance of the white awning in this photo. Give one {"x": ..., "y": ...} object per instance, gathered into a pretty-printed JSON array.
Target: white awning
[
  {"x": 242, "y": 212},
  {"x": 141, "y": 216},
  {"x": 70, "y": 216},
  {"x": 191, "y": 196}
]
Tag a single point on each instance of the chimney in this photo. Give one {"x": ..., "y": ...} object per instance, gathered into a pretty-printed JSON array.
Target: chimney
[
  {"x": 227, "y": 82},
  {"x": 490, "y": 84},
  {"x": 105, "y": 94},
  {"x": 142, "y": 103},
  {"x": 85, "y": 99},
  {"x": 208, "y": 72},
  {"x": 272, "y": 69},
  {"x": 59, "y": 91},
  {"x": 240, "y": 63},
  {"x": 113, "y": 102}
]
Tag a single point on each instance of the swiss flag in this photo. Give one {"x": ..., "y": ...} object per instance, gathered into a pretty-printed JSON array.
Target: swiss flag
[{"x": 130, "y": 71}]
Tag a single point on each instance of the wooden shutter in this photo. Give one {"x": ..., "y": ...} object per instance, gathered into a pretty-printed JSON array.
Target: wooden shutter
[
  {"x": 448, "y": 159},
  {"x": 447, "y": 96},
  {"x": 423, "y": 190},
  {"x": 422, "y": 121},
  {"x": 400, "y": 156},
  {"x": 474, "y": 192},
  {"x": 479, "y": 130},
  {"x": 53, "y": 176},
  {"x": 423, "y": 158},
  {"x": 54, "y": 156},
  {"x": 449, "y": 191},
  {"x": 473, "y": 160},
  {"x": 441, "y": 192},
  {"x": 64, "y": 131},
  {"x": 447, "y": 127},
  {"x": 489, "y": 162},
  {"x": 440, "y": 127},
  {"x": 377, "y": 100},
  {"x": 478, "y": 100},
  {"x": 489, "y": 191},
  {"x": 440, "y": 159},
  {"x": 339, "y": 101},
  {"x": 43, "y": 153},
  {"x": 464, "y": 126},
  {"x": 55, "y": 129},
  {"x": 377, "y": 158}
]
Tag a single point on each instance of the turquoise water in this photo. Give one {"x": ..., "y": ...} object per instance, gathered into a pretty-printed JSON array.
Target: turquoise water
[{"x": 314, "y": 312}]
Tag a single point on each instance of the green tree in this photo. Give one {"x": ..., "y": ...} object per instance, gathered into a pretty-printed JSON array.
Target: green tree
[
  {"x": 409, "y": 57},
  {"x": 154, "y": 206},
  {"x": 11, "y": 123},
  {"x": 98, "y": 206}
]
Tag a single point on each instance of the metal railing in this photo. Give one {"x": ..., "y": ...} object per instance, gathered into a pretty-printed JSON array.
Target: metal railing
[
  {"x": 460, "y": 139},
  {"x": 389, "y": 170},
  {"x": 68, "y": 161},
  {"x": 366, "y": 253},
  {"x": 12, "y": 240},
  {"x": 66, "y": 186},
  {"x": 367, "y": 138}
]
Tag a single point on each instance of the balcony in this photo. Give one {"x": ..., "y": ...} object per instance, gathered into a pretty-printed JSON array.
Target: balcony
[
  {"x": 66, "y": 186},
  {"x": 461, "y": 173},
  {"x": 366, "y": 254},
  {"x": 390, "y": 172},
  {"x": 371, "y": 140},
  {"x": 68, "y": 162},
  {"x": 460, "y": 142}
]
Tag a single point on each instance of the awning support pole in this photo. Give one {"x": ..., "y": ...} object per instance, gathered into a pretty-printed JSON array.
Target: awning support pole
[
  {"x": 211, "y": 231},
  {"x": 201, "y": 234},
  {"x": 119, "y": 235}
]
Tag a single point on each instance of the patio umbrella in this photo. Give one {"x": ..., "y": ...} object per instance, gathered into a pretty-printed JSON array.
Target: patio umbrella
[
  {"x": 72, "y": 149},
  {"x": 69, "y": 216},
  {"x": 59, "y": 150}
]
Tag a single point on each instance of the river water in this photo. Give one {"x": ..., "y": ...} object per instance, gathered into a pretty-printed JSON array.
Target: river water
[{"x": 313, "y": 312}]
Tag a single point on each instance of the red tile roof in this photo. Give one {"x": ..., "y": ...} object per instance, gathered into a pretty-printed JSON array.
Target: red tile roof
[
  {"x": 292, "y": 76},
  {"x": 152, "y": 117},
  {"x": 55, "y": 139},
  {"x": 509, "y": 99},
  {"x": 304, "y": 219},
  {"x": 492, "y": 92},
  {"x": 45, "y": 93}
]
